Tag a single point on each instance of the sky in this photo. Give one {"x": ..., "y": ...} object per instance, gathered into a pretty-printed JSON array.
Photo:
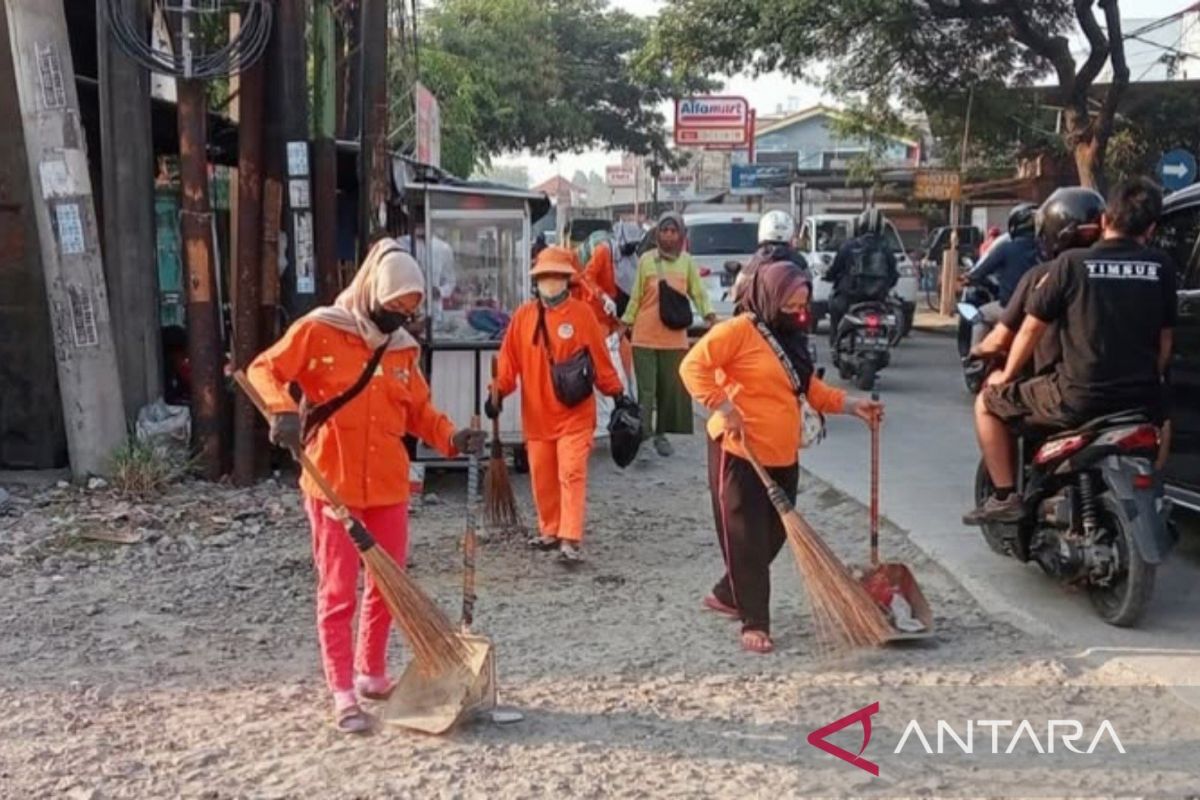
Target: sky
[{"x": 765, "y": 93}]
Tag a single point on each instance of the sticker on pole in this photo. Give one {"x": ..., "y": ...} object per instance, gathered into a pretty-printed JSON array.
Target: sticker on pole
[{"x": 1177, "y": 169}]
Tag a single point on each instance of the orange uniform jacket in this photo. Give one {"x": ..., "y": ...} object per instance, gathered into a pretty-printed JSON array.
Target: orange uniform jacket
[
  {"x": 734, "y": 362},
  {"x": 571, "y": 327},
  {"x": 360, "y": 450}
]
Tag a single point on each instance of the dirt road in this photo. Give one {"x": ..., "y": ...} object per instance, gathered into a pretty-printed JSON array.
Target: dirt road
[{"x": 185, "y": 665}]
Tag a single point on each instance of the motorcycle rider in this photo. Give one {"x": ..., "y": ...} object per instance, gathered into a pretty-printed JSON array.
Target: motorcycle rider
[
  {"x": 1114, "y": 303},
  {"x": 776, "y": 230},
  {"x": 863, "y": 270},
  {"x": 1008, "y": 261}
]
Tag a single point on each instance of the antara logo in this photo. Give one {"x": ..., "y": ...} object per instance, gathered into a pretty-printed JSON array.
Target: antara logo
[{"x": 1068, "y": 732}]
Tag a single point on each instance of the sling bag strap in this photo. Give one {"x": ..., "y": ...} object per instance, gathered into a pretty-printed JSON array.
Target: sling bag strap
[
  {"x": 777, "y": 348},
  {"x": 313, "y": 417},
  {"x": 543, "y": 333},
  {"x": 812, "y": 422}
]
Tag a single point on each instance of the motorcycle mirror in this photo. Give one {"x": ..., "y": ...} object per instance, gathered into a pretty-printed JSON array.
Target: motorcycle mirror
[
  {"x": 733, "y": 267},
  {"x": 968, "y": 312}
]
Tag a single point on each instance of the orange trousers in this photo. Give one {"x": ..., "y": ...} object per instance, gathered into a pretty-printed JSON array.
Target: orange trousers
[{"x": 558, "y": 471}]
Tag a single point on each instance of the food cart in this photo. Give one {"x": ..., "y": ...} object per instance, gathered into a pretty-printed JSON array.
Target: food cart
[{"x": 473, "y": 241}]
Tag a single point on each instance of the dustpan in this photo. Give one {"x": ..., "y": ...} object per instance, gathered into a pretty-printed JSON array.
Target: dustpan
[
  {"x": 881, "y": 579},
  {"x": 436, "y": 703}
]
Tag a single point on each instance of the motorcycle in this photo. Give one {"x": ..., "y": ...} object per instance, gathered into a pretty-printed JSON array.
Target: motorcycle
[
  {"x": 972, "y": 327},
  {"x": 863, "y": 342},
  {"x": 1094, "y": 518}
]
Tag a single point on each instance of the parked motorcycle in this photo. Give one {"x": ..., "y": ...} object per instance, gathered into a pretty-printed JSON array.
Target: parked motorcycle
[
  {"x": 863, "y": 343},
  {"x": 972, "y": 327},
  {"x": 1093, "y": 517}
]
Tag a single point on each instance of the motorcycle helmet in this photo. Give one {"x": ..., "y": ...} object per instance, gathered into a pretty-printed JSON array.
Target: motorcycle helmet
[
  {"x": 625, "y": 433},
  {"x": 869, "y": 221},
  {"x": 776, "y": 226},
  {"x": 1021, "y": 219},
  {"x": 1069, "y": 218}
]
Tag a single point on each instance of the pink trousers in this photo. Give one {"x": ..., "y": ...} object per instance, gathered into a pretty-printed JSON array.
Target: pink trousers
[{"x": 337, "y": 564}]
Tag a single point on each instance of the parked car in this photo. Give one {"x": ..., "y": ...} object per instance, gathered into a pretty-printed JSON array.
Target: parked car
[
  {"x": 1179, "y": 234},
  {"x": 822, "y": 235}
]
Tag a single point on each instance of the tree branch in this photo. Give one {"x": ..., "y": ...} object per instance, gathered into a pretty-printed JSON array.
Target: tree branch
[
  {"x": 1099, "y": 45},
  {"x": 1112, "y": 17}
]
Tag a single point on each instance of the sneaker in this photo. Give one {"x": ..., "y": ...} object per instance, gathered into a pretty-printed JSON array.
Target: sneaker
[
  {"x": 662, "y": 446},
  {"x": 570, "y": 553},
  {"x": 543, "y": 542},
  {"x": 1009, "y": 510}
]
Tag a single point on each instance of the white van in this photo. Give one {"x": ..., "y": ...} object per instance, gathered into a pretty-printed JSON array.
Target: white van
[{"x": 822, "y": 235}]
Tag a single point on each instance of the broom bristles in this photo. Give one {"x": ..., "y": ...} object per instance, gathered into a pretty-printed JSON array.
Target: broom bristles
[
  {"x": 499, "y": 502},
  {"x": 436, "y": 647},
  {"x": 843, "y": 612}
]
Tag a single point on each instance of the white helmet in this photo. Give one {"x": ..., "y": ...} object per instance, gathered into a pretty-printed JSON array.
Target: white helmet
[{"x": 776, "y": 226}]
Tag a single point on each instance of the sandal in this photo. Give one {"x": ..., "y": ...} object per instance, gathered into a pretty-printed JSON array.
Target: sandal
[
  {"x": 757, "y": 642},
  {"x": 544, "y": 543},
  {"x": 353, "y": 719},
  {"x": 713, "y": 604},
  {"x": 363, "y": 687}
]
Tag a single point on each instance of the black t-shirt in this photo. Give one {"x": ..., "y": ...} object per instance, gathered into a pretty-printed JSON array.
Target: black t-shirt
[
  {"x": 1048, "y": 351},
  {"x": 1112, "y": 301}
]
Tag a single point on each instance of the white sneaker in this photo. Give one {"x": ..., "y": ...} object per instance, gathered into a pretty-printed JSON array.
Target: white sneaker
[{"x": 569, "y": 552}]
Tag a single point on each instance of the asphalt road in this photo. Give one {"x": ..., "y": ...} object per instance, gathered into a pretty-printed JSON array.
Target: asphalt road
[{"x": 929, "y": 458}]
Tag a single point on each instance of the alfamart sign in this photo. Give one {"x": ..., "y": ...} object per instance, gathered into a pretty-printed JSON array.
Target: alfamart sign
[{"x": 720, "y": 121}]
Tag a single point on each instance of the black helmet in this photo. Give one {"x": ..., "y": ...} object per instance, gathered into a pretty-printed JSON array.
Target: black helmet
[
  {"x": 869, "y": 221},
  {"x": 1069, "y": 218},
  {"x": 625, "y": 432},
  {"x": 1021, "y": 219}
]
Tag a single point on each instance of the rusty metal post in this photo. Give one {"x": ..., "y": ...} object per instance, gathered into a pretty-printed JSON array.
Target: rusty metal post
[
  {"x": 248, "y": 262},
  {"x": 204, "y": 336},
  {"x": 325, "y": 151},
  {"x": 374, "y": 168}
]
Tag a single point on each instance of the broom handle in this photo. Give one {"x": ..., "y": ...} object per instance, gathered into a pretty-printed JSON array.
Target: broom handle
[
  {"x": 469, "y": 540},
  {"x": 778, "y": 498},
  {"x": 492, "y": 391},
  {"x": 310, "y": 469},
  {"x": 875, "y": 487}
]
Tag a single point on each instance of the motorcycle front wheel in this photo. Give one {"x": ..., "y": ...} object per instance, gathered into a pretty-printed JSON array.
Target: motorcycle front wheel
[{"x": 1123, "y": 602}]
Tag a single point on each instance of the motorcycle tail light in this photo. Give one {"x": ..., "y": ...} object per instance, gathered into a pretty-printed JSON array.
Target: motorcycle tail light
[
  {"x": 1059, "y": 448},
  {"x": 1144, "y": 482},
  {"x": 1137, "y": 438},
  {"x": 872, "y": 320}
]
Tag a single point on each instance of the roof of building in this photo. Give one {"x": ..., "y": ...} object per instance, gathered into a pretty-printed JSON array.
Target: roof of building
[{"x": 805, "y": 114}]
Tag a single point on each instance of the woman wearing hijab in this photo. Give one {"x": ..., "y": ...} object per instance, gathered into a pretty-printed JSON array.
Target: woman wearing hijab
[
  {"x": 749, "y": 371},
  {"x": 657, "y": 348},
  {"x": 554, "y": 328},
  {"x": 358, "y": 342}
]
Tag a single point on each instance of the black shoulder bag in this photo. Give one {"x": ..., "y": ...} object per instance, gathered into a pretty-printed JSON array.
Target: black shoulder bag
[
  {"x": 674, "y": 308},
  {"x": 313, "y": 417},
  {"x": 574, "y": 380}
]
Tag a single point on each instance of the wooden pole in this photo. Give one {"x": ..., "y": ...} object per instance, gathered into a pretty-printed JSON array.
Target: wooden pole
[
  {"x": 950, "y": 257},
  {"x": 84, "y": 349},
  {"x": 247, "y": 265},
  {"x": 127, "y": 156},
  {"x": 374, "y": 176},
  {"x": 300, "y": 282}
]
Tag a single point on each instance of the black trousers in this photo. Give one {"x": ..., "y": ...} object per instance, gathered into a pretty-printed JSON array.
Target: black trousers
[{"x": 749, "y": 531}]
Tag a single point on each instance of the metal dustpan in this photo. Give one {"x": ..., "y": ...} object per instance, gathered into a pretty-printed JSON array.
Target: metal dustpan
[
  {"x": 436, "y": 703},
  {"x": 912, "y": 619}
]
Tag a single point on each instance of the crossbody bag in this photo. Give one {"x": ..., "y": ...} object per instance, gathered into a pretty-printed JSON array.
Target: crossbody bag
[
  {"x": 812, "y": 422},
  {"x": 674, "y": 308},
  {"x": 574, "y": 380}
]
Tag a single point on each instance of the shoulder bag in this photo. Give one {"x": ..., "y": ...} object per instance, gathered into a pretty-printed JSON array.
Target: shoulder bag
[
  {"x": 674, "y": 308},
  {"x": 574, "y": 380},
  {"x": 313, "y": 417},
  {"x": 812, "y": 422}
]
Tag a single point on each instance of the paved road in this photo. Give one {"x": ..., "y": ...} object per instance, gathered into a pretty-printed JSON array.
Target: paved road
[{"x": 929, "y": 460}]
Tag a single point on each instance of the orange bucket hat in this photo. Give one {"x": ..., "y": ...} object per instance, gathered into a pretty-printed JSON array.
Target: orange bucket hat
[{"x": 555, "y": 261}]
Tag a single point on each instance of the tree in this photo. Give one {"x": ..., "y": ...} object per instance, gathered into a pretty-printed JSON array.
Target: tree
[
  {"x": 547, "y": 76},
  {"x": 921, "y": 53}
]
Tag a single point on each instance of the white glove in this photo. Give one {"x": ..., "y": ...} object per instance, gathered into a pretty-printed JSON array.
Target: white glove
[{"x": 610, "y": 307}]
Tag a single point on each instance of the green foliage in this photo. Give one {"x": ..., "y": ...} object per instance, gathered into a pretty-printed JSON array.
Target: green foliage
[
  {"x": 1163, "y": 118},
  {"x": 140, "y": 468},
  {"x": 549, "y": 76}
]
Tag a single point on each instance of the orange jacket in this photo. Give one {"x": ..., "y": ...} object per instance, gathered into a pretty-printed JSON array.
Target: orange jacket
[
  {"x": 593, "y": 282},
  {"x": 733, "y": 362},
  {"x": 360, "y": 449},
  {"x": 571, "y": 327}
]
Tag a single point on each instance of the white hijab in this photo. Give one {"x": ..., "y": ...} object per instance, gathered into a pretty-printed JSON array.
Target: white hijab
[{"x": 385, "y": 274}]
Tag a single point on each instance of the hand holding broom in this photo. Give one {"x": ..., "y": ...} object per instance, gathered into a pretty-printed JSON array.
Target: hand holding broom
[{"x": 435, "y": 646}]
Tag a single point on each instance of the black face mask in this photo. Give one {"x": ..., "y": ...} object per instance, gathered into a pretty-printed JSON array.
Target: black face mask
[
  {"x": 391, "y": 321},
  {"x": 628, "y": 249}
]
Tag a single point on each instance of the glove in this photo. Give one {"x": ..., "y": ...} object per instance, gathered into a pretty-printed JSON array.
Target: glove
[
  {"x": 285, "y": 430},
  {"x": 610, "y": 307},
  {"x": 469, "y": 441},
  {"x": 623, "y": 400},
  {"x": 492, "y": 409}
]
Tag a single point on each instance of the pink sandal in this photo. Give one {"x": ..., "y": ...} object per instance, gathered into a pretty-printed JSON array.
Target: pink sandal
[
  {"x": 757, "y": 642},
  {"x": 713, "y": 604}
]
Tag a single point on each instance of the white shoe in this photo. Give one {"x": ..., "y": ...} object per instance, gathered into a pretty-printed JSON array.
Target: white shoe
[{"x": 570, "y": 553}]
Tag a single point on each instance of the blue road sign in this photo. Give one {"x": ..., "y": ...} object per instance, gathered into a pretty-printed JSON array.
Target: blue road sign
[
  {"x": 754, "y": 178},
  {"x": 1177, "y": 169}
]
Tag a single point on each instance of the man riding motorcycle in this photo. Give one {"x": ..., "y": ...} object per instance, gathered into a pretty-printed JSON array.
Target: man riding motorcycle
[
  {"x": 775, "y": 232},
  {"x": 1114, "y": 306},
  {"x": 863, "y": 270},
  {"x": 1007, "y": 262}
]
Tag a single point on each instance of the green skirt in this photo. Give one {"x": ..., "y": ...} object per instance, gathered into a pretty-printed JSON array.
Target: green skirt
[{"x": 666, "y": 405}]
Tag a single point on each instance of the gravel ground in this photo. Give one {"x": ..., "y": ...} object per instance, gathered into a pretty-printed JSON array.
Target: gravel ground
[{"x": 185, "y": 665}]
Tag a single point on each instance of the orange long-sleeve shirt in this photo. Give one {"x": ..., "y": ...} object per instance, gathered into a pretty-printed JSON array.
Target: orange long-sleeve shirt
[
  {"x": 571, "y": 326},
  {"x": 594, "y": 282},
  {"x": 733, "y": 362},
  {"x": 360, "y": 449}
]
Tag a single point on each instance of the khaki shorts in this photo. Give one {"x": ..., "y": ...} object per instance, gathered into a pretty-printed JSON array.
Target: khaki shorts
[{"x": 1035, "y": 403}]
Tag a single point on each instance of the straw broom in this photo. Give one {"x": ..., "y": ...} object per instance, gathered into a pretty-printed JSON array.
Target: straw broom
[
  {"x": 424, "y": 626},
  {"x": 842, "y": 610},
  {"x": 499, "y": 502}
]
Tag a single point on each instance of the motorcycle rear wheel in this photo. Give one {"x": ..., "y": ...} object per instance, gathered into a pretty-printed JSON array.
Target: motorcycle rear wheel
[
  {"x": 865, "y": 380},
  {"x": 993, "y": 532},
  {"x": 1123, "y": 603}
]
